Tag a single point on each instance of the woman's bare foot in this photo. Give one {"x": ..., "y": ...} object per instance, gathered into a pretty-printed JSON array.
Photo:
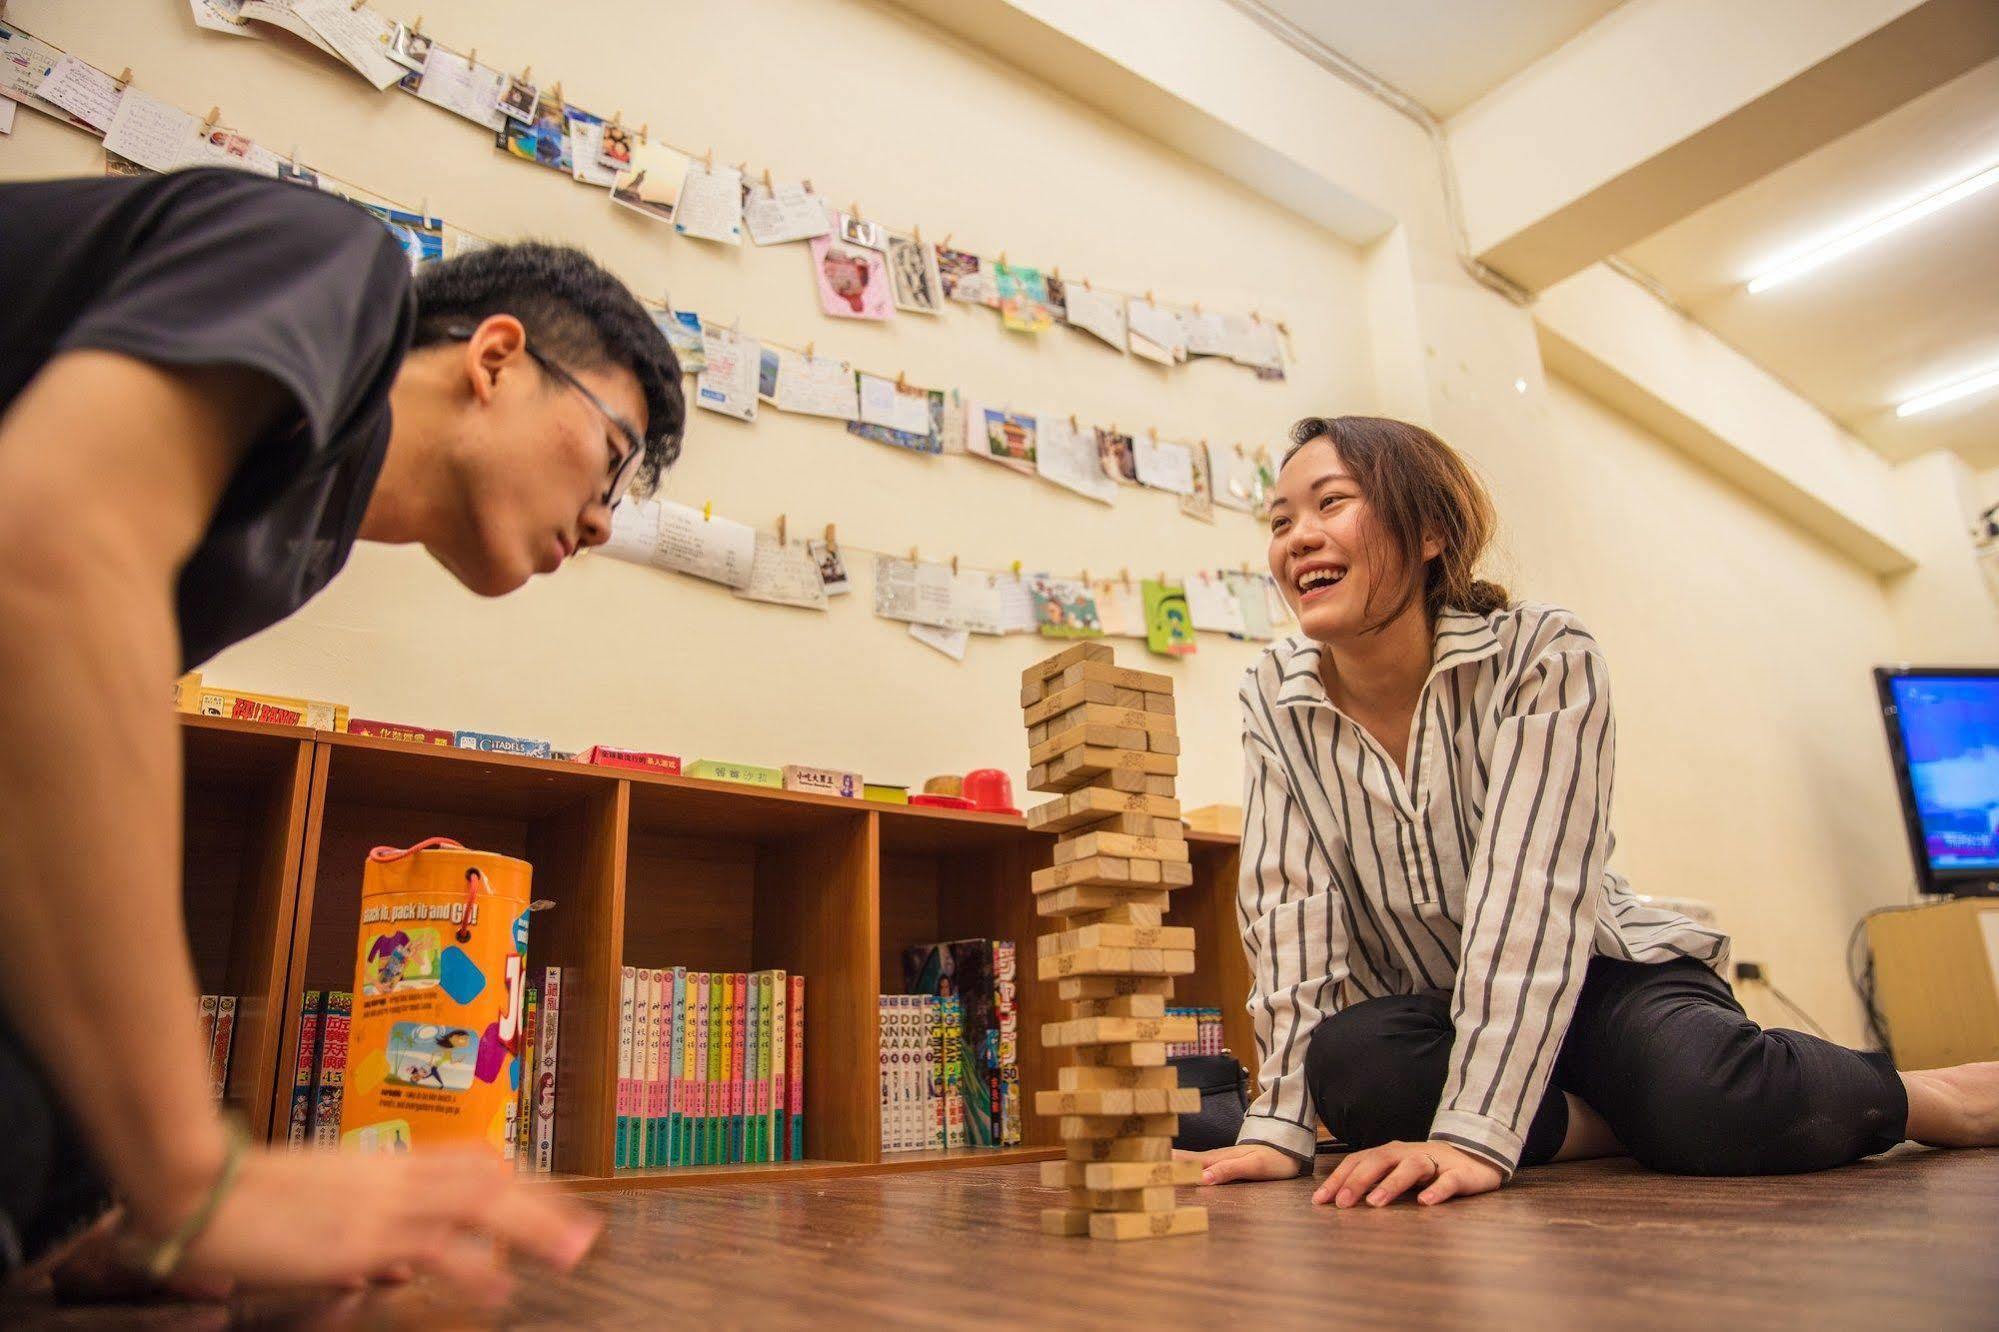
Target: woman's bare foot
[{"x": 1954, "y": 1107}]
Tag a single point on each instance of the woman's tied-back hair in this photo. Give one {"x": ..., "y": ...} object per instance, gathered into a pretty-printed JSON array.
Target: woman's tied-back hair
[{"x": 1415, "y": 486}]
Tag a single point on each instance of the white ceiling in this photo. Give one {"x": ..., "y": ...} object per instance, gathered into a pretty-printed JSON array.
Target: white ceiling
[
  {"x": 1910, "y": 312},
  {"x": 1445, "y": 53}
]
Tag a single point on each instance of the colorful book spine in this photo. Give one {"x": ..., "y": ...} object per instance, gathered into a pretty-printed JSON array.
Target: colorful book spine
[
  {"x": 207, "y": 1006},
  {"x": 523, "y": 1139},
  {"x": 1006, "y": 1018},
  {"x": 503, "y": 744},
  {"x": 545, "y": 1071},
  {"x": 710, "y": 1065},
  {"x": 676, "y": 1064},
  {"x": 221, "y": 1043},
  {"x": 272, "y": 709},
  {"x": 689, "y": 1080},
  {"x": 645, "y": 1072},
  {"x": 413, "y": 735},
  {"x": 307, "y": 1062},
  {"x": 795, "y": 1071},
  {"x": 752, "y": 1028},
  {"x": 951, "y": 1017},
  {"x": 607, "y": 757},
  {"x": 739, "y": 1036},
  {"x": 627, "y": 1000},
  {"x": 332, "y": 1076},
  {"x": 780, "y": 992},
  {"x": 884, "y": 1061},
  {"x": 662, "y": 1066}
]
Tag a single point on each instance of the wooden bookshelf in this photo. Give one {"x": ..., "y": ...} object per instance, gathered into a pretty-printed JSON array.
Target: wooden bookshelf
[{"x": 642, "y": 870}]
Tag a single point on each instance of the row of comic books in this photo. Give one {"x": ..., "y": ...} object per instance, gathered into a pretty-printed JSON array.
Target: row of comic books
[
  {"x": 1207, "y": 1032},
  {"x": 711, "y": 1068},
  {"x": 218, "y": 1038},
  {"x": 533, "y": 1139},
  {"x": 982, "y": 1049},
  {"x": 326, "y": 1018}
]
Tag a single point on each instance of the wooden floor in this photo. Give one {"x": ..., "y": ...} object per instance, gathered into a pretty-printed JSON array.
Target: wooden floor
[{"x": 1904, "y": 1241}]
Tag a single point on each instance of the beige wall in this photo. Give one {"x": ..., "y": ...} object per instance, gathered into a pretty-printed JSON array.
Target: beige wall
[{"x": 1752, "y": 773}]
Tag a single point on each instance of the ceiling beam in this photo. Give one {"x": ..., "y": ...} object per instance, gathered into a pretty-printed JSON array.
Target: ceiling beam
[{"x": 1665, "y": 106}]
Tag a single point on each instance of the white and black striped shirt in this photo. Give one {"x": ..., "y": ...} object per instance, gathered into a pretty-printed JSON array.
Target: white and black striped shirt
[{"x": 1483, "y": 874}]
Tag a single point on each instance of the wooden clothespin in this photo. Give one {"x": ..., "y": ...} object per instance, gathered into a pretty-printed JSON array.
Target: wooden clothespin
[
  {"x": 831, "y": 544},
  {"x": 1197, "y": 307},
  {"x": 808, "y": 349},
  {"x": 708, "y": 160},
  {"x": 914, "y": 558},
  {"x": 1152, "y": 434},
  {"x": 527, "y": 74},
  {"x": 1086, "y": 577},
  {"x": 1072, "y": 422},
  {"x": 1001, "y": 261},
  {"x": 1245, "y": 568},
  {"x": 356, "y": 5},
  {"x": 767, "y": 181},
  {"x": 556, "y": 91},
  {"x": 1086, "y": 284},
  {"x": 473, "y": 58},
  {"x": 854, "y": 211},
  {"x": 916, "y": 233},
  {"x": 1016, "y": 568},
  {"x": 783, "y": 534},
  {"x": 945, "y": 244},
  {"x": 416, "y": 28},
  {"x": 954, "y": 566},
  {"x": 214, "y": 114},
  {"x": 125, "y": 79},
  {"x": 708, "y": 511},
  {"x": 808, "y": 187},
  {"x": 1148, "y": 298},
  {"x": 1238, "y": 449},
  {"x": 1056, "y": 272},
  {"x": 1162, "y": 578},
  {"x": 643, "y": 128},
  {"x": 901, "y": 383},
  {"x": 1124, "y": 576}
]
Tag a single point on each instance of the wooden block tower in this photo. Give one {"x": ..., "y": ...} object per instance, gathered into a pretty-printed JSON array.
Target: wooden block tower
[{"x": 1103, "y": 738}]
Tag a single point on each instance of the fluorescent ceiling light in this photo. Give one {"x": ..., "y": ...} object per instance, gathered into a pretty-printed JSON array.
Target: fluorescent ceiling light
[
  {"x": 1848, "y": 242},
  {"x": 1988, "y": 378}
]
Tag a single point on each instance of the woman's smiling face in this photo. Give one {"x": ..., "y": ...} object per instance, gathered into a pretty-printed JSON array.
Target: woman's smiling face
[{"x": 1324, "y": 551}]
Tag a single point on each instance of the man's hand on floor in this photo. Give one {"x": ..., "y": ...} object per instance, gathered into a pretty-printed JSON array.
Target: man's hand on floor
[{"x": 1382, "y": 1174}]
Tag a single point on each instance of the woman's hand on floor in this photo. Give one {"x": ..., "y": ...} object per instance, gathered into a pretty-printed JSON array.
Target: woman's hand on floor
[
  {"x": 1242, "y": 1163},
  {"x": 1383, "y": 1173}
]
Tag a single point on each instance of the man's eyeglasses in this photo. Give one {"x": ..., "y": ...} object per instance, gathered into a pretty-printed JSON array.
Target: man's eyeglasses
[{"x": 624, "y": 466}]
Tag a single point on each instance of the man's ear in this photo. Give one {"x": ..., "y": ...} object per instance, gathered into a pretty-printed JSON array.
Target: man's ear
[{"x": 498, "y": 344}]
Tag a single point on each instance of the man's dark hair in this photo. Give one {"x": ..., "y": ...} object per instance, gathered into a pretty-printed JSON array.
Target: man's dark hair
[{"x": 574, "y": 312}]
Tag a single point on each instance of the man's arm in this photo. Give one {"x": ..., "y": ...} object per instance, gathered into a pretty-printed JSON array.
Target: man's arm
[{"x": 109, "y": 471}]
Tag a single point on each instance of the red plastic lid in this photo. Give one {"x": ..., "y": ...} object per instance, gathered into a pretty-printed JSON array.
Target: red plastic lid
[
  {"x": 942, "y": 801},
  {"x": 990, "y": 790}
]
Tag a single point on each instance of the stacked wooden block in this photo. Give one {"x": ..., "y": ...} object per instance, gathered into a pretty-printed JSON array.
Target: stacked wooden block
[{"x": 1103, "y": 738}]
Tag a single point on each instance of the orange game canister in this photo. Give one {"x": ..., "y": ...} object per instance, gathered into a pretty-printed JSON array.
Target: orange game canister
[{"x": 434, "y": 1053}]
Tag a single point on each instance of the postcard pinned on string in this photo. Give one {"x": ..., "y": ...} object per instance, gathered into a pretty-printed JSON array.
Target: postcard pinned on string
[
  {"x": 728, "y": 380},
  {"x": 1023, "y": 299},
  {"x": 1097, "y": 313},
  {"x": 683, "y": 334},
  {"x": 1169, "y": 628},
  {"x": 711, "y": 204},
  {"x": 1067, "y": 456},
  {"x": 783, "y": 573},
  {"x": 913, "y": 275},
  {"x": 651, "y": 183},
  {"x": 781, "y": 211},
  {"x": 965, "y": 277},
  {"x": 852, "y": 280},
  {"x": 1164, "y": 464},
  {"x": 1064, "y": 608}
]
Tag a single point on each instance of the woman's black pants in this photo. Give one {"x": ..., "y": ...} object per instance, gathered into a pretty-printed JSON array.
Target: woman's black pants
[{"x": 1663, "y": 1052}]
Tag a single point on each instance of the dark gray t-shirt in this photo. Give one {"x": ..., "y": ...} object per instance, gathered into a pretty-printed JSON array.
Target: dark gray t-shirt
[{"x": 219, "y": 267}]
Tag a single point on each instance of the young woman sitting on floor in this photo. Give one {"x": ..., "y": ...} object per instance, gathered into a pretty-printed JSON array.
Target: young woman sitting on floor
[{"x": 1445, "y": 972}]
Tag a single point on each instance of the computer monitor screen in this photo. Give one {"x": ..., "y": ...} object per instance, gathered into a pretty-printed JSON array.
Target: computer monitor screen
[{"x": 1944, "y": 729}]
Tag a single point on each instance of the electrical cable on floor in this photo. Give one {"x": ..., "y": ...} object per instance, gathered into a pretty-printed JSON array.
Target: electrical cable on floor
[{"x": 1785, "y": 1000}]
